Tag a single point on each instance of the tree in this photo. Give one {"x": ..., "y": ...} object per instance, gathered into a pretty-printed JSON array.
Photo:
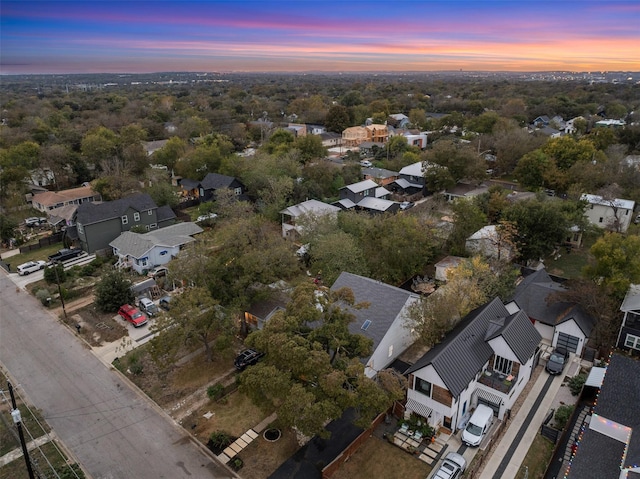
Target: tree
[
  {"x": 310, "y": 147},
  {"x": 7, "y": 227},
  {"x": 532, "y": 168},
  {"x": 468, "y": 218},
  {"x": 617, "y": 262},
  {"x": 100, "y": 147},
  {"x": 280, "y": 142},
  {"x": 310, "y": 376},
  {"x": 334, "y": 253},
  {"x": 112, "y": 291},
  {"x": 337, "y": 119},
  {"x": 163, "y": 194},
  {"x": 195, "y": 318},
  {"x": 171, "y": 152},
  {"x": 437, "y": 178},
  {"x": 462, "y": 161}
]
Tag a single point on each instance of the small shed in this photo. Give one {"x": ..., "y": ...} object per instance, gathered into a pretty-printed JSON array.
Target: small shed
[{"x": 445, "y": 265}]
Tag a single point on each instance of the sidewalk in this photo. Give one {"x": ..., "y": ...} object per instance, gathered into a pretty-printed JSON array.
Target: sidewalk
[{"x": 17, "y": 452}]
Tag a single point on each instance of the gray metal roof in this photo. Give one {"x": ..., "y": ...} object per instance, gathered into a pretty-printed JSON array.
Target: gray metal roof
[
  {"x": 314, "y": 207},
  {"x": 599, "y": 455},
  {"x": 632, "y": 299},
  {"x": 385, "y": 303},
  {"x": 89, "y": 213},
  {"x": 214, "y": 181},
  {"x": 465, "y": 350},
  {"x": 136, "y": 244},
  {"x": 361, "y": 186}
]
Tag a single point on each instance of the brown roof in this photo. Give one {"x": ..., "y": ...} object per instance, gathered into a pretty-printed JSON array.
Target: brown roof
[{"x": 51, "y": 198}]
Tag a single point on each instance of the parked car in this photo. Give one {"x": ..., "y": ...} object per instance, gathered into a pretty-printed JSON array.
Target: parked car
[
  {"x": 478, "y": 425},
  {"x": 405, "y": 205},
  {"x": 132, "y": 315},
  {"x": 246, "y": 358},
  {"x": 165, "y": 302},
  {"x": 557, "y": 361},
  {"x": 65, "y": 254},
  {"x": 451, "y": 468},
  {"x": 210, "y": 216},
  {"x": 31, "y": 266},
  {"x": 158, "y": 271},
  {"x": 35, "y": 221},
  {"x": 148, "y": 307},
  {"x": 366, "y": 163}
]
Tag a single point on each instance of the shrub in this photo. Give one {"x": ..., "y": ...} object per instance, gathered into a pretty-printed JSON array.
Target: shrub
[
  {"x": 219, "y": 440},
  {"x": 112, "y": 291},
  {"x": 44, "y": 296},
  {"x": 88, "y": 269},
  {"x": 236, "y": 463},
  {"x": 562, "y": 416},
  {"x": 50, "y": 274},
  {"x": 576, "y": 383},
  {"x": 215, "y": 391}
]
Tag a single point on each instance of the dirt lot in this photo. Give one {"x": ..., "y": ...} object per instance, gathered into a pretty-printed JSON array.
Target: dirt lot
[{"x": 96, "y": 327}]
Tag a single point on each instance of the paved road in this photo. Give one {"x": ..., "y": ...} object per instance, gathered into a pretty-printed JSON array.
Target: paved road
[{"x": 113, "y": 431}]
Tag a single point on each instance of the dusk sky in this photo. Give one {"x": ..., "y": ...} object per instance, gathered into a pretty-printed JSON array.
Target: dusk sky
[{"x": 376, "y": 35}]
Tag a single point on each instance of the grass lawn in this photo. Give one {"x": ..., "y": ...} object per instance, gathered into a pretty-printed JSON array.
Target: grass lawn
[
  {"x": 537, "y": 459},
  {"x": 569, "y": 265},
  {"x": 379, "y": 458},
  {"x": 36, "y": 254}
]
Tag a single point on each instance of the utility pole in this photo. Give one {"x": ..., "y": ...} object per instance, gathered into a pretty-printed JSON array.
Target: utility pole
[
  {"x": 15, "y": 414},
  {"x": 55, "y": 268}
]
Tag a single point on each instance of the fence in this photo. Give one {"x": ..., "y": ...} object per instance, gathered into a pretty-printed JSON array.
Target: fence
[
  {"x": 350, "y": 450},
  {"x": 550, "y": 433},
  {"x": 42, "y": 242}
]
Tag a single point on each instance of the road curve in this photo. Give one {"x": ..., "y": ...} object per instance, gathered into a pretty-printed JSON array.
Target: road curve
[{"x": 114, "y": 431}]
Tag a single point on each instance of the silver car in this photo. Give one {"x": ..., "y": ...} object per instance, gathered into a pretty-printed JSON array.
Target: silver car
[{"x": 451, "y": 468}]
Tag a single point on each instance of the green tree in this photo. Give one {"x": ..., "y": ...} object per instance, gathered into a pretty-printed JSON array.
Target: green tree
[
  {"x": 55, "y": 274},
  {"x": 7, "y": 227},
  {"x": 437, "y": 178},
  {"x": 532, "y": 168},
  {"x": 100, "y": 147},
  {"x": 337, "y": 119},
  {"x": 310, "y": 376},
  {"x": 195, "y": 318},
  {"x": 617, "y": 262},
  {"x": 112, "y": 291},
  {"x": 280, "y": 142},
  {"x": 171, "y": 152},
  {"x": 310, "y": 147},
  {"x": 334, "y": 253},
  {"x": 468, "y": 218},
  {"x": 163, "y": 194}
]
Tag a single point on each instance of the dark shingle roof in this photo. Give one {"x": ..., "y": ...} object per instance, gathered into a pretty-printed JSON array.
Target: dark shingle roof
[
  {"x": 531, "y": 296},
  {"x": 599, "y": 455},
  {"x": 89, "y": 213},
  {"x": 165, "y": 213},
  {"x": 465, "y": 350},
  {"x": 385, "y": 303},
  {"x": 214, "y": 181}
]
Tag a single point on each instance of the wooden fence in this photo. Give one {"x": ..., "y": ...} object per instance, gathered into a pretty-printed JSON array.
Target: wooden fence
[
  {"x": 42, "y": 242},
  {"x": 350, "y": 450}
]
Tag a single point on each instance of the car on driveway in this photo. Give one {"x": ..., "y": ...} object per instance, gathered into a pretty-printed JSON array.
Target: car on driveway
[
  {"x": 158, "y": 271},
  {"x": 557, "y": 361},
  {"x": 35, "y": 221},
  {"x": 148, "y": 307},
  {"x": 366, "y": 163},
  {"x": 30, "y": 267},
  {"x": 207, "y": 217},
  {"x": 132, "y": 315},
  {"x": 165, "y": 302},
  {"x": 405, "y": 205},
  {"x": 246, "y": 358},
  {"x": 451, "y": 468}
]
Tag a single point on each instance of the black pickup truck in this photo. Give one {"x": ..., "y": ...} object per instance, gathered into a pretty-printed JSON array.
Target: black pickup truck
[{"x": 65, "y": 255}]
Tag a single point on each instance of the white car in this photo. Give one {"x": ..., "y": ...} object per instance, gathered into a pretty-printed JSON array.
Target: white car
[
  {"x": 31, "y": 266},
  {"x": 210, "y": 216},
  {"x": 366, "y": 163}
]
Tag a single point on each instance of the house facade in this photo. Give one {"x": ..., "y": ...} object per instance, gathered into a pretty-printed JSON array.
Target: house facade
[
  {"x": 560, "y": 323},
  {"x": 294, "y": 217},
  {"x": 489, "y": 243},
  {"x": 629, "y": 335},
  {"x": 205, "y": 190},
  {"x": 385, "y": 321},
  {"x": 144, "y": 251},
  {"x": 49, "y": 201},
  {"x": 612, "y": 214},
  {"x": 488, "y": 358},
  {"x": 381, "y": 176},
  {"x": 410, "y": 179},
  {"x": 366, "y": 195},
  {"x": 99, "y": 224}
]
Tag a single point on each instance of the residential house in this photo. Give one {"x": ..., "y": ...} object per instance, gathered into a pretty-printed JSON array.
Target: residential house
[
  {"x": 488, "y": 358},
  {"x": 260, "y": 312},
  {"x": 411, "y": 179},
  {"x": 331, "y": 139},
  {"x": 414, "y": 137},
  {"x": 205, "y": 189},
  {"x": 377, "y": 133},
  {"x": 541, "y": 121},
  {"x": 609, "y": 123},
  {"x": 569, "y": 126},
  {"x": 366, "y": 195},
  {"x": 100, "y": 223},
  {"x": 381, "y": 176},
  {"x": 150, "y": 147},
  {"x": 488, "y": 242},
  {"x": 370, "y": 149},
  {"x": 608, "y": 444},
  {"x": 398, "y": 120},
  {"x": 49, "y": 201},
  {"x": 385, "y": 321},
  {"x": 298, "y": 129},
  {"x": 613, "y": 214},
  {"x": 465, "y": 190},
  {"x": 143, "y": 251},
  {"x": 629, "y": 335},
  {"x": 561, "y": 324},
  {"x": 295, "y": 217},
  {"x": 316, "y": 129},
  {"x": 42, "y": 177}
]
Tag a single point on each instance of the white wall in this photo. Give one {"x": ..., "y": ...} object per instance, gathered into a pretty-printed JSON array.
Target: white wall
[
  {"x": 545, "y": 330},
  {"x": 572, "y": 329},
  {"x": 606, "y": 213}
]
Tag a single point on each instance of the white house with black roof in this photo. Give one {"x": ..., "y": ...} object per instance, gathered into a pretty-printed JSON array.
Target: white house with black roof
[
  {"x": 629, "y": 335},
  {"x": 385, "y": 321},
  {"x": 561, "y": 324},
  {"x": 98, "y": 224},
  {"x": 486, "y": 359},
  {"x": 608, "y": 445}
]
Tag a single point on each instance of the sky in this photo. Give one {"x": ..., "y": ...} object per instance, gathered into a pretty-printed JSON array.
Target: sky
[{"x": 135, "y": 36}]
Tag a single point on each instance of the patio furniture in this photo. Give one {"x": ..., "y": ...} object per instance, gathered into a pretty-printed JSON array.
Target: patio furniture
[
  {"x": 417, "y": 436},
  {"x": 404, "y": 428}
]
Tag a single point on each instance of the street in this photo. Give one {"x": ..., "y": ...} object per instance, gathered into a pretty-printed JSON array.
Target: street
[{"x": 114, "y": 431}]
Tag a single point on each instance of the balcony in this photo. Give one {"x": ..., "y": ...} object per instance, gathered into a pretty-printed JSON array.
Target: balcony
[{"x": 498, "y": 381}]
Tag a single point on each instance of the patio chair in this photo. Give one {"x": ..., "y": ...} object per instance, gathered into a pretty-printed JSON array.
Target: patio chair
[
  {"x": 417, "y": 436},
  {"x": 404, "y": 428}
]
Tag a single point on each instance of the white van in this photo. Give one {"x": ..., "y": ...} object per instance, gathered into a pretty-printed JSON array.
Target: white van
[{"x": 478, "y": 425}]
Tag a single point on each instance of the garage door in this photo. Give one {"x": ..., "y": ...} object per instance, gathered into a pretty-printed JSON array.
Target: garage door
[
  {"x": 490, "y": 400},
  {"x": 570, "y": 343}
]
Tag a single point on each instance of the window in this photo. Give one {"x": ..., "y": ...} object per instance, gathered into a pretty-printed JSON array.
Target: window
[
  {"x": 600, "y": 220},
  {"x": 502, "y": 365},
  {"x": 80, "y": 228},
  {"x": 136, "y": 216},
  {"x": 149, "y": 212},
  {"x": 423, "y": 387},
  {"x": 153, "y": 226},
  {"x": 237, "y": 191},
  {"x": 632, "y": 342},
  {"x": 125, "y": 220},
  {"x": 390, "y": 350},
  {"x": 366, "y": 325},
  {"x": 164, "y": 252}
]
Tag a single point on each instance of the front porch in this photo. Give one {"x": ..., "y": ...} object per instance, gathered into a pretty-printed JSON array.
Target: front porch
[{"x": 428, "y": 450}]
